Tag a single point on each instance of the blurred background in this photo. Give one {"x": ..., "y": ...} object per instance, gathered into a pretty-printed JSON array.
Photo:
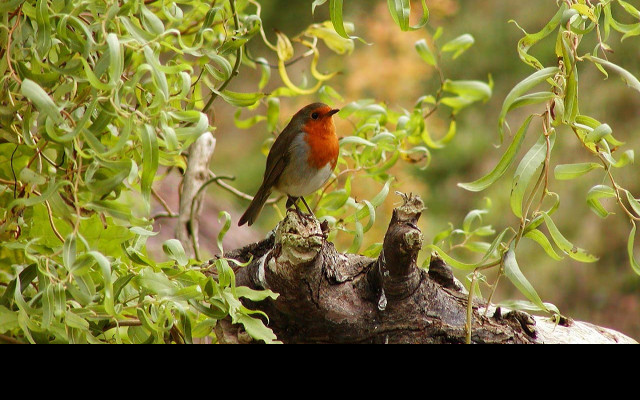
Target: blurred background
[{"x": 389, "y": 70}]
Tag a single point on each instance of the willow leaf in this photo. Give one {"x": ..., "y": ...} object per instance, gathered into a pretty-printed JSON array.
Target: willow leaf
[{"x": 505, "y": 162}]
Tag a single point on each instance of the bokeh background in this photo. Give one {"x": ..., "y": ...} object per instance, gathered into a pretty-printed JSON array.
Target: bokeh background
[{"x": 389, "y": 70}]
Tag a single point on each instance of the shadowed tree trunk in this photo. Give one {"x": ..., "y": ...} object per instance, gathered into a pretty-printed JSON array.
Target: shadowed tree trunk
[{"x": 329, "y": 297}]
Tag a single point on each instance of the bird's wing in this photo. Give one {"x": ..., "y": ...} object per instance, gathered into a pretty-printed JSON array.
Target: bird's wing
[{"x": 278, "y": 157}]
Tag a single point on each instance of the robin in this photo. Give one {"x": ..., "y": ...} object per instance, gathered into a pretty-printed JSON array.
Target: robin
[{"x": 300, "y": 161}]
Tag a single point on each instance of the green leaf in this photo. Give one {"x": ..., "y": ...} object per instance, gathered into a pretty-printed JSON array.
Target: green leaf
[
  {"x": 105, "y": 268},
  {"x": 156, "y": 282},
  {"x": 572, "y": 251},
  {"x": 357, "y": 237},
  {"x": 567, "y": 172},
  {"x": 470, "y": 90},
  {"x": 331, "y": 38},
  {"x": 157, "y": 72},
  {"x": 116, "y": 61},
  {"x": 635, "y": 204},
  {"x": 542, "y": 240},
  {"x": 255, "y": 295},
  {"x": 31, "y": 177},
  {"x": 458, "y": 45},
  {"x": 150, "y": 160},
  {"x": 240, "y": 99},
  {"x": 529, "y": 40},
  {"x": 627, "y": 158},
  {"x": 357, "y": 140},
  {"x": 425, "y": 52},
  {"x": 630, "y": 242},
  {"x": 401, "y": 11},
  {"x": 531, "y": 99},
  {"x": 257, "y": 329},
  {"x": 52, "y": 188},
  {"x": 520, "y": 89},
  {"x": 223, "y": 231},
  {"x": 151, "y": 22},
  {"x": 43, "y": 102},
  {"x": 69, "y": 251},
  {"x": 512, "y": 271},
  {"x": 630, "y": 9},
  {"x": 593, "y": 199},
  {"x": 505, "y": 162},
  {"x": 335, "y": 12},
  {"x": 527, "y": 306},
  {"x": 284, "y": 47},
  {"x": 471, "y": 217},
  {"x": 598, "y": 134},
  {"x": 246, "y": 123},
  {"x": 223, "y": 72},
  {"x": 174, "y": 250},
  {"x": 530, "y": 164},
  {"x": 315, "y": 4},
  {"x": 452, "y": 261},
  {"x": 75, "y": 321},
  {"x": 8, "y": 320},
  {"x": 626, "y": 76}
]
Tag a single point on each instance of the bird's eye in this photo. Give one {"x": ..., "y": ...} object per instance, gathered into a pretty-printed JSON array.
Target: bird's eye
[{"x": 315, "y": 115}]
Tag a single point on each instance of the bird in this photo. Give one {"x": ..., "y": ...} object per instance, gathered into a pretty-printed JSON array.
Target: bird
[{"x": 301, "y": 160}]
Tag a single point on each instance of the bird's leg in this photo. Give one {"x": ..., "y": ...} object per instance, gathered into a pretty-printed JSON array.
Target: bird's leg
[
  {"x": 308, "y": 208},
  {"x": 293, "y": 201}
]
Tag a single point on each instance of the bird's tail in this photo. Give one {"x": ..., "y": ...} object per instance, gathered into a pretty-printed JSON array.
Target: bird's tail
[{"x": 250, "y": 216}]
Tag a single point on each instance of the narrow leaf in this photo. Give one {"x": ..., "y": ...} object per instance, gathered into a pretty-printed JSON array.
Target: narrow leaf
[
  {"x": 458, "y": 45},
  {"x": 41, "y": 99},
  {"x": 505, "y": 162},
  {"x": 593, "y": 199},
  {"x": 520, "y": 89},
  {"x": 632, "y": 236},
  {"x": 572, "y": 251},
  {"x": 150, "y": 160},
  {"x": 425, "y": 52},
  {"x": 626, "y": 76},
  {"x": 512, "y": 271},
  {"x": 531, "y": 162},
  {"x": 565, "y": 172},
  {"x": 174, "y": 250},
  {"x": 542, "y": 240}
]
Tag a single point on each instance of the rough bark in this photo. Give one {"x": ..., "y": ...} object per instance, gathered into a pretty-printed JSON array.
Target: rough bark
[{"x": 329, "y": 297}]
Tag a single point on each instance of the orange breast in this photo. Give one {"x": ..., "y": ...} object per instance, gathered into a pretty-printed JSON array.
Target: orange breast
[{"x": 323, "y": 143}]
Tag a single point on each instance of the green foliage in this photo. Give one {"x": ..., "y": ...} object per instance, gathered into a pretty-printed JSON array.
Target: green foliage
[
  {"x": 96, "y": 99},
  {"x": 558, "y": 113},
  {"x": 100, "y": 99}
]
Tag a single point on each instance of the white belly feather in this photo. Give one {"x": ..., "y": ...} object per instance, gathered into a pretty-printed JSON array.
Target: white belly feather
[{"x": 299, "y": 179}]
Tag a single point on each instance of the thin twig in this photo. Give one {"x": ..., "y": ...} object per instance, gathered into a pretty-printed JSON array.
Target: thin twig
[
  {"x": 236, "y": 66},
  {"x": 53, "y": 226},
  {"x": 239, "y": 193},
  {"x": 7, "y": 182},
  {"x": 116, "y": 324},
  {"x": 13, "y": 171},
  {"x": 11, "y": 71},
  {"x": 163, "y": 203},
  {"x": 470, "y": 307},
  {"x": 10, "y": 340},
  {"x": 196, "y": 248}
]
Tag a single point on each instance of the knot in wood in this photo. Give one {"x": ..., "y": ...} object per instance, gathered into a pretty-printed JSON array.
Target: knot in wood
[{"x": 299, "y": 238}]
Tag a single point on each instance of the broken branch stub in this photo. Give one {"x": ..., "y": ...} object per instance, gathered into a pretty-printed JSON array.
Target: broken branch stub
[{"x": 397, "y": 272}]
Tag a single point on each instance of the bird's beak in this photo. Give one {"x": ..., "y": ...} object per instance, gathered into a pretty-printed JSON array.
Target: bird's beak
[{"x": 334, "y": 111}]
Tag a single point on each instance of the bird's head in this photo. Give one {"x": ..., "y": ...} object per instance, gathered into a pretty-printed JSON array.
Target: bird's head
[{"x": 316, "y": 119}]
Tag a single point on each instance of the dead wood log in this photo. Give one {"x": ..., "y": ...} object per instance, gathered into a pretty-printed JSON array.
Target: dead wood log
[{"x": 329, "y": 297}]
